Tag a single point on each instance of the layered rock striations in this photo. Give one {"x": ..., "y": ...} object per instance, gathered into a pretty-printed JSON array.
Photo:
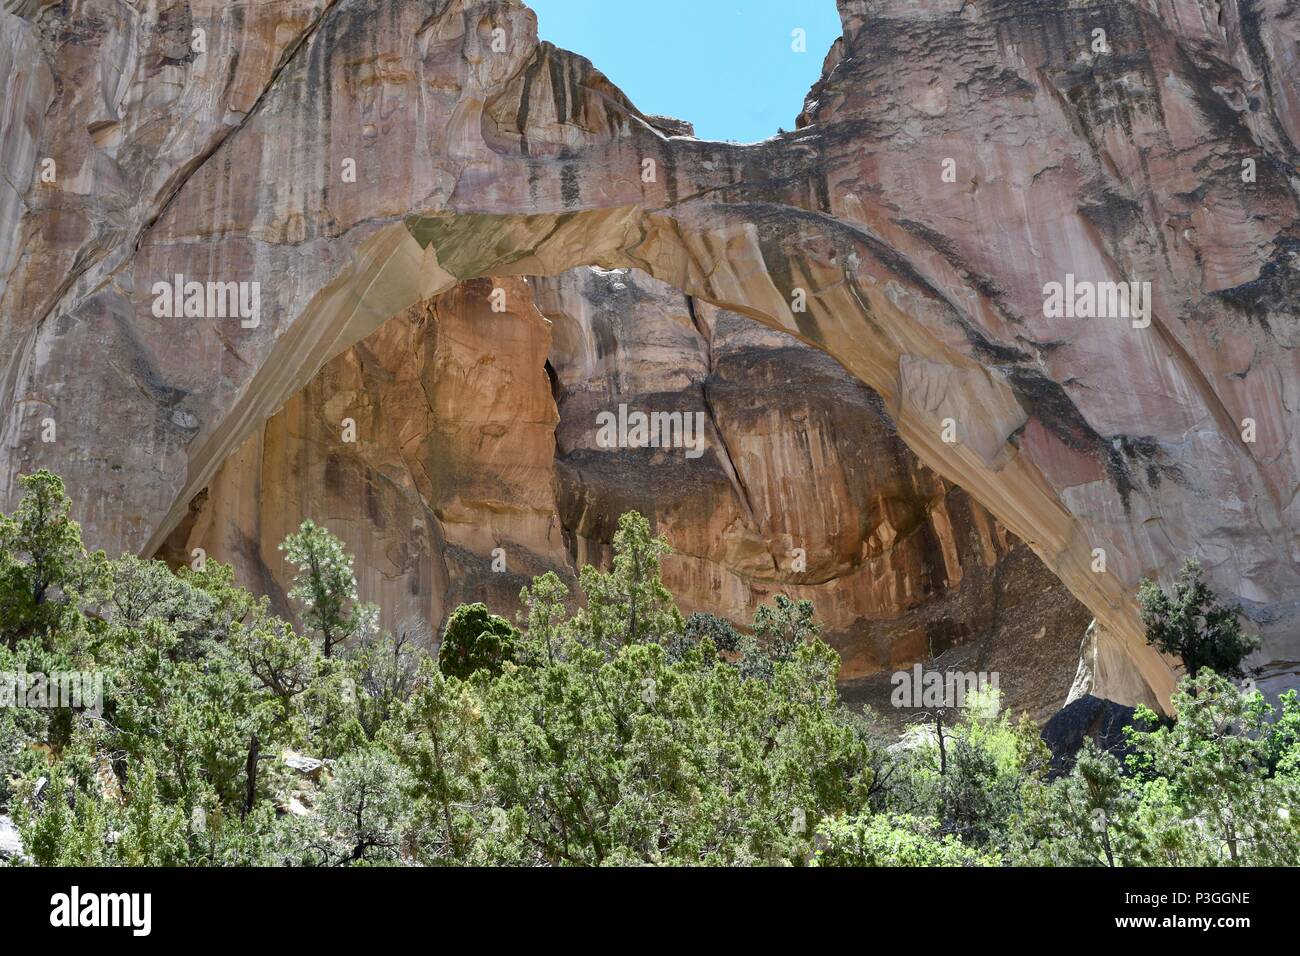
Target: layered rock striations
[
  {"x": 477, "y": 461},
  {"x": 426, "y": 447},
  {"x": 1090, "y": 142},
  {"x": 802, "y": 487}
]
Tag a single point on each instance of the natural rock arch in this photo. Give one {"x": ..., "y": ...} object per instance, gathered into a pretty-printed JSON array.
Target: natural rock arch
[{"x": 477, "y": 161}]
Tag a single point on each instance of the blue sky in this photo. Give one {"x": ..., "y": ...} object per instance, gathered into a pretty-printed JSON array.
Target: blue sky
[{"x": 724, "y": 65}]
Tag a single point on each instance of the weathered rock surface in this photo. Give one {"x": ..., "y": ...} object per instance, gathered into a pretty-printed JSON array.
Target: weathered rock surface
[
  {"x": 457, "y": 456},
  {"x": 1104, "y": 672},
  {"x": 11, "y": 841},
  {"x": 803, "y": 487},
  {"x": 453, "y": 458},
  {"x": 1084, "y": 719},
  {"x": 1118, "y": 163}
]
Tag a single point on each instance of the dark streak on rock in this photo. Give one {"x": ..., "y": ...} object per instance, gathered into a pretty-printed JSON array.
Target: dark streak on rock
[
  {"x": 525, "y": 100},
  {"x": 570, "y": 188},
  {"x": 1276, "y": 292},
  {"x": 559, "y": 88}
]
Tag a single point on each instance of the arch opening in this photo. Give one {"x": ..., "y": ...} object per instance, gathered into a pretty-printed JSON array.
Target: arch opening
[{"x": 480, "y": 460}]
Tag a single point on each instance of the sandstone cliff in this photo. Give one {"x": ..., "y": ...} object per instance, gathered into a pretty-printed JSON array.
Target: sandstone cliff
[
  {"x": 1118, "y": 161},
  {"x": 456, "y": 488}
]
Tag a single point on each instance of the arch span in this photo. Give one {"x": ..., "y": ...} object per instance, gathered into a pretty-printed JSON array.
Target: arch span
[
  {"x": 857, "y": 310},
  {"x": 477, "y": 155}
]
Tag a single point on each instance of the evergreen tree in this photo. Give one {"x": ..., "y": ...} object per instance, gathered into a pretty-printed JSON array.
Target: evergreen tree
[
  {"x": 437, "y": 737},
  {"x": 1192, "y": 624},
  {"x": 476, "y": 639},
  {"x": 1217, "y": 762},
  {"x": 629, "y": 604},
  {"x": 43, "y": 566},
  {"x": 327, "y": 587},
  {"x": 614, "y": 734},
  {"x": 890, "y": 840},
  {"x": 363, "y": 816}
]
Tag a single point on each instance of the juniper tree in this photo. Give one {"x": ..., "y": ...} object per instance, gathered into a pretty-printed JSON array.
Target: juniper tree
[
  {"x": 1218, "y": 761},
  {"x": 384, "y": 670},
  {"x": 437, "y": 738},
  {"x": 720, "y": 631},
  {"x": 544, "y": 618},
  {"x": 326, "y": 586},
  {"x": 363, "y": 814},
  {"x": 778, "y": 630},
  {"x": 629, "y": 604},
  {"x": 1191, "y": 623},
  {"x": 43, "y": 565},
  {"x": 892, "y": 840},
  {"x": 475, "y": 639}
]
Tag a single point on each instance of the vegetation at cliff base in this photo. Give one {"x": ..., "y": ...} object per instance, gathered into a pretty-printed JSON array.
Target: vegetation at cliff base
[{"x": 601, "y": 728}]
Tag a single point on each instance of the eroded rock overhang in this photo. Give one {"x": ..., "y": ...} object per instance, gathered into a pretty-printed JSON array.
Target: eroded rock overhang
[{"x": 1080, "y": 435}]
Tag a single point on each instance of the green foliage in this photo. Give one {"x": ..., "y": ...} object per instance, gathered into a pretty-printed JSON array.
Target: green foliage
[
  {"x": 327, "y": 587},
  {"x": 203, "y": 691},
  {"x": 968, "y": 776},
  {"x": 43, "y": 566},
  {"x": 605, "y": 730},
  {"x": 385, "y": 672},
  {"x": 1215, "y": 787},
  {"x": 629, "y": 604},
  {"x": 1191, "y": 624},
  {"x": 1217, "y": 762},
  {"x": 545, "y": 619},
  {"x": 154, "y": 830},
  {"x": 1084, "y": 819},
  {"x": 631, "y": 758},
  {"x": 891, "y": 840},
  {"x": 475, "y": 639},
  {"x": 779, "y": 628},
  {"x": 702, "y": 626},
  {"x": 438, "y": 739},
  {"x": 363, "y": 817}
]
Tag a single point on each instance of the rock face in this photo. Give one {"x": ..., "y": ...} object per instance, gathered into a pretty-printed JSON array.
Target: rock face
[
  {"x": 801, "y": 486},
  {"x": 11, "y": 841},
  {"x": 1083, "y": 719},
  {"x": 454, "y": 457},
  {"x": 1160, "y": 150},
  {"x": 1103, "y": 672},
  {"x": 476, "y": 431}
]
